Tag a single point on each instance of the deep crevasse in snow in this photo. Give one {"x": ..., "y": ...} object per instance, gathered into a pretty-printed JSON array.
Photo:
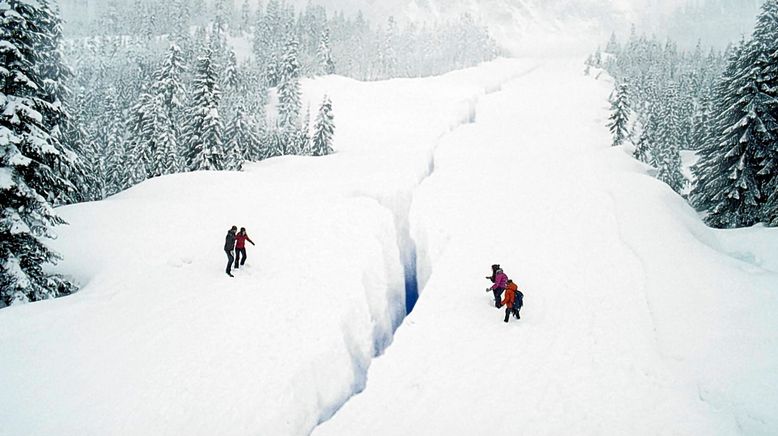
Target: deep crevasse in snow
[
  {"x": 638, "y": 319},
  {"x": 160, "y": 341},
  {"x": 509, "y": 162}
]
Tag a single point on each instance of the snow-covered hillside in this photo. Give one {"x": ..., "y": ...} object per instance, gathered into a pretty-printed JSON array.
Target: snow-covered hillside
[
  {"x": 638, "y": 319},
  {"x": 160, "y": 341}
]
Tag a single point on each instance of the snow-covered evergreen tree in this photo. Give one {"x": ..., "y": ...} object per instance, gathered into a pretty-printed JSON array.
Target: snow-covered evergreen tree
[
  {"x": 613, "y": 45},
  {"x": 77, "y": 130},
  {"x": 701, "y": 128},
  {"x": 666, "y": 156},
  {"x": 54, "y": 73},
  {"x": 325, "y": 53},
  {"x": 244, "y": 24},
  {"x": 139, "y": 143},
  {"x": 162, "y": 140},
  {"x": 737, "y": 175},
  {"x": 620, "y": 113},
  {"x": 111, "y": 138},
  {"x": 766, "y": 46},
  {"x": 728, "y": 184},
  {"x": 289, "y": 104},
  {"x": 242, "y": 140},
  {"x": 324, "y": 129},
  {"x": 231, "y": 78},
  {"x": 646, "y": 143},
  {"x": 388, "y": 52},
  {"x": 303, "y": 137},
  {"x": 169, "y": 82},
  {"x": 27, "y": 151},
  {"x": 203, "y": 131}
]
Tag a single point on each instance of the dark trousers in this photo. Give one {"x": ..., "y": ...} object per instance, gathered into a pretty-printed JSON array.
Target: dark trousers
[
  {"x": 230, "y": 260},
  {"x": 238, "y": 253},
  {"x": 511, "y": 310},
  {"x": 498, "y": 296}
]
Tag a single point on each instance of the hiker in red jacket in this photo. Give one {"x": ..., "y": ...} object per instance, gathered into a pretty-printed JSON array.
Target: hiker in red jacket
[
  {"x": 240, "y": 246},
  {"x": 511, "y": 293}
]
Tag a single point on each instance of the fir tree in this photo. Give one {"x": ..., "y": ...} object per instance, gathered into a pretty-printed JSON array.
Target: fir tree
[
  {"x": 54, "y": 74},
  {"x": 613, "y": 46},
  {"x": 139, "y": 152},
  {"x": 161, "y": 139},
  {"x": 728, "y": 184},
  {"x": 169, "y": 82},
  {"x": 701, "y": 128},
  {"x": 203, "y": 134},
  {"x": 597, "y": 60},
  {"x": 325, "y": 53},
  {"x": 303, "y": 136},
  {"x": 242, "y": 140},
  {"x": 79, "y": 131},
  {"x": 110, "y": 135},
  {"x": 231, "y": 77},
  {"x": 646, "y": 143},
  {"x": 289, "y": 104},
  {"x": 324, "y": 129},
  {"x": 245, "y": 17},
  {"x": 666, "y": 155},
  {"x": 766, "y": 42},
  {"x": 737, "y": 173},
  {"x": 27, "y": 148},
  {"x": 274, "y": 144},
  {"x": 620, "y": 112},
  {"x": 388, "y": 54}
]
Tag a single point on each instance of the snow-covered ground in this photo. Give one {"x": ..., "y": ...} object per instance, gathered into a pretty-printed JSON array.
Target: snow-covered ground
[
  {"x": 638, "y": 319},
  {"x": 160, "y": 341}
]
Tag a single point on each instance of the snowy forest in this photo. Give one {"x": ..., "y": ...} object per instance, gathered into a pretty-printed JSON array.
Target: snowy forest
[
  {"x": 149, "y": 88},
  {"x": 139, "y": 67},
  {"x": 721, "y": 106}
]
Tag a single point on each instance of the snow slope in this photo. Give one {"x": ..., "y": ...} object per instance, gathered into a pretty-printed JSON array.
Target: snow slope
[
  {"x": 637, "y": 320},
  {"x": 160, "y": 341}
]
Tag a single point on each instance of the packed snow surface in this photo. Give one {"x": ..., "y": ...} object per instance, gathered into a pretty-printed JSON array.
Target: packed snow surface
[{"x": 638, "y": 319}]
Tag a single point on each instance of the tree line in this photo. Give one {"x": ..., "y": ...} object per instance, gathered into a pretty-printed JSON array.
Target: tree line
[{"x": 722, "y": 106}]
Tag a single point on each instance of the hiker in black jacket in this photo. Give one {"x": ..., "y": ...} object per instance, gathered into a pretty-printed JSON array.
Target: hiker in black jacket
[{"x": 229, "y": 248}]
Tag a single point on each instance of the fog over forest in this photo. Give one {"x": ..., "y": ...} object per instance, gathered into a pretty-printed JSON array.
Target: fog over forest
[{"x": 715, "y": 22}]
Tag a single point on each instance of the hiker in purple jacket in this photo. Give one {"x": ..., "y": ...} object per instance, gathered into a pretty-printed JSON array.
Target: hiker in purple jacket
[{"x": 500, "y": 281}]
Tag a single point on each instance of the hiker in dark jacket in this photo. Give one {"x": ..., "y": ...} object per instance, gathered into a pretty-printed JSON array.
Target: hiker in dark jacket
[
  {"x": 495, "y": 267},
  {"x": 500, "y": 281},
  {"x": 240, "y": 246},
  {"x": 229, "y": 248},
  {"x": 518, "y": 304}
]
